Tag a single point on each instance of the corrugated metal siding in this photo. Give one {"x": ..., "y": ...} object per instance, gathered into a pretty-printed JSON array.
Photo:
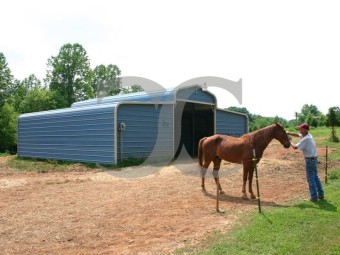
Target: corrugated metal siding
[
  {"x": 86, "y": 132},
  {"x": 85, "y": 135},
  {"x": 148, "y": 133},
  {"x": 195, "y": 94},
  {"x": 229, "y": 123}
]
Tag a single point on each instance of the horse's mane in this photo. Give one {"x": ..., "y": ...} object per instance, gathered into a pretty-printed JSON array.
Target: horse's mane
[
  {"x": 261, "y": 131},
  {"x": 260, "y": 138}
]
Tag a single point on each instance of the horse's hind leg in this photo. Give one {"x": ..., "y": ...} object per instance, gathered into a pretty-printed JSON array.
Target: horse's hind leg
[
  {"x": 217, "y": 165},
  {"x": 204, "y": 169},
  {"x": 246, "y": 170},
  {"x": 245, "y": 174}
]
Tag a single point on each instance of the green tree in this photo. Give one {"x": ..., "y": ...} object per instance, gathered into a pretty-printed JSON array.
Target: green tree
[
  {"x": 15, "y": 94},
  {"x": 6, "y": 80},
  {"x": 259, "y": 122},
  {"x": 312, "y": 120},
  {"x": 131, "y": 89},
  {"x": 104, "y": 80},
  {"x": 37, "y": 100},
  {"x": 309, "y": 114},
  {"x": 31, "y": 82},
  {"x": 69, "y": 74},
  {"x": 20, "y": 89},
  {"x": 322, "y": 121},
  {"x": 333, "y": 120},
  {"x": 8, "y": 127},
  {"x": 242, "y": 110}
]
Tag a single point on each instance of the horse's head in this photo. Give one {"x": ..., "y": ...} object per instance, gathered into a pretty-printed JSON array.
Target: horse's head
[{"x": 281, "y": 135}]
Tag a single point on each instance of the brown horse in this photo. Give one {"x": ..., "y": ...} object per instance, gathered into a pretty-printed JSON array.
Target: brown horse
[{"x": 238, "y": 150}]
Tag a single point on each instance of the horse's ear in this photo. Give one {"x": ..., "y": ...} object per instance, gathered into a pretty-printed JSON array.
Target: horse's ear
[{"x": 278, "y": 124}]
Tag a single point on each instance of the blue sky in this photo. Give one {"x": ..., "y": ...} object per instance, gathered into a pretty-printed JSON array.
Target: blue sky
[{"x": 286, "y": 52}]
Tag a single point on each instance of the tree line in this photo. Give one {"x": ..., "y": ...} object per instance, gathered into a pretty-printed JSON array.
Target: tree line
[
  {"x": 69, "y": 78},
  {"x": 308, "y": 113}
]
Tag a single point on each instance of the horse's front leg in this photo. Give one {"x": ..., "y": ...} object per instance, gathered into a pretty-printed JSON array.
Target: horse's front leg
[
  {"x": 251, "y": 173},
  {"x": 245, "y": 176},
  {"x": 203, "y": 184}
]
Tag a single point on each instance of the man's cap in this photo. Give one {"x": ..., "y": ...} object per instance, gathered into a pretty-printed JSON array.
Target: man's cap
[{"x": 303, "y": 126}]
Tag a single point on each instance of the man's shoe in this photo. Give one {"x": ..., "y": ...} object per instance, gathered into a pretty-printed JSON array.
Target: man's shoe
[
  {"x": 321, "y": 197},
  {"x": 311, "y": 200}
]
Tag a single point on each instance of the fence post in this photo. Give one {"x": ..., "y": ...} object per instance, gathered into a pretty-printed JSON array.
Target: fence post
[
  {"x": 257, "y": 181},
  {"x": 326, "y": 166}
]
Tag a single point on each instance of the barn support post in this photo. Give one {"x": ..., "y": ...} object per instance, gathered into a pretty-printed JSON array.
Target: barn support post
[
  {"x": 257, "y": 181},
  {"x": 122, "y": 127}
]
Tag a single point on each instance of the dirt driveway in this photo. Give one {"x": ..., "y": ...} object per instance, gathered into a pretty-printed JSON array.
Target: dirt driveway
[{"x": 88, "y": 212}]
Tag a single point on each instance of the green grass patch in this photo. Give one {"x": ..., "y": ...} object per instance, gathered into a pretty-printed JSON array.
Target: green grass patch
[
  {"x": 44, "y": 165},
  {"x": 305, "y": 228},
  {"x": 4, "y": 154},
  {"x": 52, "y": 165}
]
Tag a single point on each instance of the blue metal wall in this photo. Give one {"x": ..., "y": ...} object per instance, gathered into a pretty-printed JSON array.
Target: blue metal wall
[
  {"x": 230, "y": 123},
  {"x": 89, "y": 130},
  {"x": 83, "y": 134},
  {"x": 148, "y": 132}
]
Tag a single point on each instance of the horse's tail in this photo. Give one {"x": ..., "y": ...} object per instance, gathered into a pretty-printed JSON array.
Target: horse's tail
[{"x": 200, "y": 151}]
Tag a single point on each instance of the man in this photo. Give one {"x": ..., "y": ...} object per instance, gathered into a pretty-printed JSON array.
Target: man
[{"x": 308, "y": 147}]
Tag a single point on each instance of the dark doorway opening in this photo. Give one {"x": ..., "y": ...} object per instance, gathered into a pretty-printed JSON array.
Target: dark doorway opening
[{"x": 192, "y": 122}]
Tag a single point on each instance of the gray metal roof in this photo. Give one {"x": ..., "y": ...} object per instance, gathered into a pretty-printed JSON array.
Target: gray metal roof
[
  {"x": 64, "y": 111},
  {"x": 166, "y": 96}
]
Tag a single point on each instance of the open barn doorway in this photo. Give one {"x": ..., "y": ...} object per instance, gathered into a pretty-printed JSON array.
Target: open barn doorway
[{"x": 192, "y": 122}]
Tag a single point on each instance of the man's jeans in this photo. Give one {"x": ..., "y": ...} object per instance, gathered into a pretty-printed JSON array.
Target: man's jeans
[{"x": 314, "y": 183}]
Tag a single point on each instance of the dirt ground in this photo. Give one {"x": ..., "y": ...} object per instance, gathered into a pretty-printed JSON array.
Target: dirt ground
[{"x": 95, "y": 212}]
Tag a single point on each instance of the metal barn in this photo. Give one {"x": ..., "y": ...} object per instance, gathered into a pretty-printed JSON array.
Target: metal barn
[{"x": 136, "y": 125}]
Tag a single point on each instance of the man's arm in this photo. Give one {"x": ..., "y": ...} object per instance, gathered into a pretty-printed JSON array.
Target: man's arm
[{"x": 292, "y": 134}]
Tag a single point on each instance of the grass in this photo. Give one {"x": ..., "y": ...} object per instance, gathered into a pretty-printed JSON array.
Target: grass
[
  {"x": 322, "y": 139},
  {"x": 4, "y": 154},
  {"x": 52, "y": 165},
  {"x": 43, "y": 165}
]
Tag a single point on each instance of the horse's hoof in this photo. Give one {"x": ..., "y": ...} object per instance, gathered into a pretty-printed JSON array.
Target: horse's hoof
[
  {"x": 219, "y": 210},
  {"x": 252, "y": 196},
  {"x": 222, "y": 192}
]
